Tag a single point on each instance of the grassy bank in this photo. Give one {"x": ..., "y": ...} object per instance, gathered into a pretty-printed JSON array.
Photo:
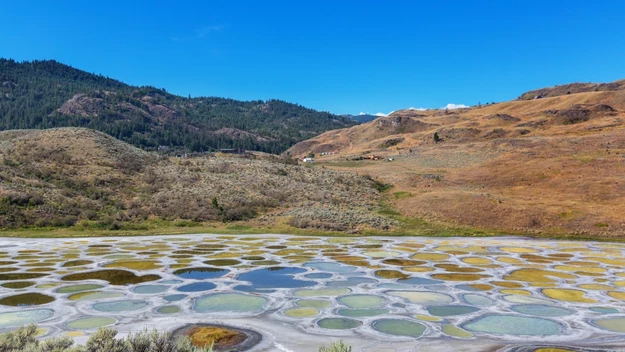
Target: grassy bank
[{"x": 409, "y": 227}]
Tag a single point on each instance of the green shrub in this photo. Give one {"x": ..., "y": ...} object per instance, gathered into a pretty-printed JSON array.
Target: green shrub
[
  {"x": 380, "y": 186},
  {"x": 336, "y": 347},
  {"x": 24, "y": 340}
]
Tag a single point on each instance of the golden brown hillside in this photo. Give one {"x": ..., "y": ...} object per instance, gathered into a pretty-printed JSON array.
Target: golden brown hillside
[
  {"x": 550, "y": 165},
  {"x": 82, "y": 178}
]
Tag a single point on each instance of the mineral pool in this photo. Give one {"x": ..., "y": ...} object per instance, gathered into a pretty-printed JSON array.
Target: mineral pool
[{"x": 509, "y": 291}]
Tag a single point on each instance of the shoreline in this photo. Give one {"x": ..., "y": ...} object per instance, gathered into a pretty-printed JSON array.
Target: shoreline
[{"x": 246, "y": 229}]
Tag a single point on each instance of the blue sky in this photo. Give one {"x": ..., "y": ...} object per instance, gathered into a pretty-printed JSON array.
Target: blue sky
[{"x": 340, "y": 56}]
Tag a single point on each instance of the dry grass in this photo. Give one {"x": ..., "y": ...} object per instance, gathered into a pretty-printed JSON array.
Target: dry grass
[{"x": 509, "y": 181}]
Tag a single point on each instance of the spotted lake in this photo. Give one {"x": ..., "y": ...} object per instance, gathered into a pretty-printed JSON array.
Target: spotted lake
[{"x": 374, "y": 293}]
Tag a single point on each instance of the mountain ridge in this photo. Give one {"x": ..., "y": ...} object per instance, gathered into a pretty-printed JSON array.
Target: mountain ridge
[{"x": 47, "y": 94}]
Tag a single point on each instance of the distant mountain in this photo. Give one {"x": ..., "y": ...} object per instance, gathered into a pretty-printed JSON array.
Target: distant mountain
[
  {"x": 362, "y": 118},
  {"x": 47, "y": 94}
]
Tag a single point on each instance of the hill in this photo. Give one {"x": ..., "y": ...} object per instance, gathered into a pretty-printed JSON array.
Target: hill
[
  {"x": 48, "y": 94},
  {"x": 362, "y": 118},
  {"x": 80, "y": 177},
  {"x": 572, "y": 88},
  {"x": 552, "y": 165}
]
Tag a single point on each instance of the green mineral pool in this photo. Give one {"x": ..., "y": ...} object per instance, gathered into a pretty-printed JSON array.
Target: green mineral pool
[
  {"x": 168, "y": 310},
  {"x": 24, "y": 317},
  {"x": 94, "y": 295},
  {"x": 338, "y": 323},
  {"x": 90, "y": 323},
  {"x": 78, "y": 288},
  {"x": 313, "y": 303},
  {"x": 120, "y": 306},
  {"x": 424, "y": 298},
  {"x": 611, "y": 324},
  {"x": 399, "y": 327},
  {"x": 229, "y": 302},
  {"x": 301, "y": 312},
  {"x": 451, "y": 310},
  {"x": 361, "y": 301}
]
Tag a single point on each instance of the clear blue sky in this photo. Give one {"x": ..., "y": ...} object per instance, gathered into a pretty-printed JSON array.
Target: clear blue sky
[{"x": 340, "y": 56}]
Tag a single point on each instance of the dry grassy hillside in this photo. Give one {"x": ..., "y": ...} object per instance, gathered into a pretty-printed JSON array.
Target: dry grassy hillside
[
  {"x": 80, "y": 177},
  {"x": 549, "y": 165}
]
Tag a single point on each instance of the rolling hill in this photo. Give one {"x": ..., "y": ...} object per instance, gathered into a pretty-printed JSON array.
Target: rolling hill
[
  {"x": 64, "y": 177},
  {"x": 48, "y": 94},
  {"x": 550, "y": 162}
]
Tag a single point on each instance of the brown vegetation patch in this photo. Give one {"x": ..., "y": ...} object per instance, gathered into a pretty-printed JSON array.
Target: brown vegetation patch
[
  {"x": 502, "y": 117},
  {"x": 219, "y": 338}
]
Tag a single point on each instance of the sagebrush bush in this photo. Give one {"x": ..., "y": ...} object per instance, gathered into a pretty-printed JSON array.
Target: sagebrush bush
[
  {"x": 336, "y": 347},
  {"x": 24, "y": 340},
  {"x": 113, "y": 186}
]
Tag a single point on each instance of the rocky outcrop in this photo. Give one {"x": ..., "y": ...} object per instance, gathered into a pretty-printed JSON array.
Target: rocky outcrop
[{"x": 82, "y": 105}]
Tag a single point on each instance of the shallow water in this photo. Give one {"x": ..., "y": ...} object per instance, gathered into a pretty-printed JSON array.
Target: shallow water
[
  {"x": 229, "y": 302},
  {"x": 514, "y": 325},
  {"x": 93, "y": 295},
  {"x": 500, "y": 290},
  {"x": 150, "y": 289},
  {"x": 168, "y": 310},
  {"x": 361, "y": 301},
  {"x": 78, "y": 288},
  {"x": 541, "y": 311},
  {"x": 90, "y": 323},
  {"x": 24, "y": 317},
  {"x": 197, "y": 287},
  {"x": 338, "y": 323},
  {"x": 120, "y": 306},
  {"x": 276, "y": 277},
  {"x": 399, "y": 327}
]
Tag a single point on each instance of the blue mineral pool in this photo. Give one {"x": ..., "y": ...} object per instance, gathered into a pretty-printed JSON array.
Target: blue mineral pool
[
  {"x": 514, "y": 325},
  {"x": 418, "y": 281},
  {"x": 604, "y": 310},
  {"x": 150, "y": 289},
  {"x": 174, "y": 298},
  {"x": 330, "y": 267},
  {"x": 477, "y": 300},
  {"x": 197, "y": 287},
  {"x": 275, "y": 277},
  {"x": 202, "y": 273},
  {"x": 318, "y": 276},
  {"x": 351, "y": 281}
]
